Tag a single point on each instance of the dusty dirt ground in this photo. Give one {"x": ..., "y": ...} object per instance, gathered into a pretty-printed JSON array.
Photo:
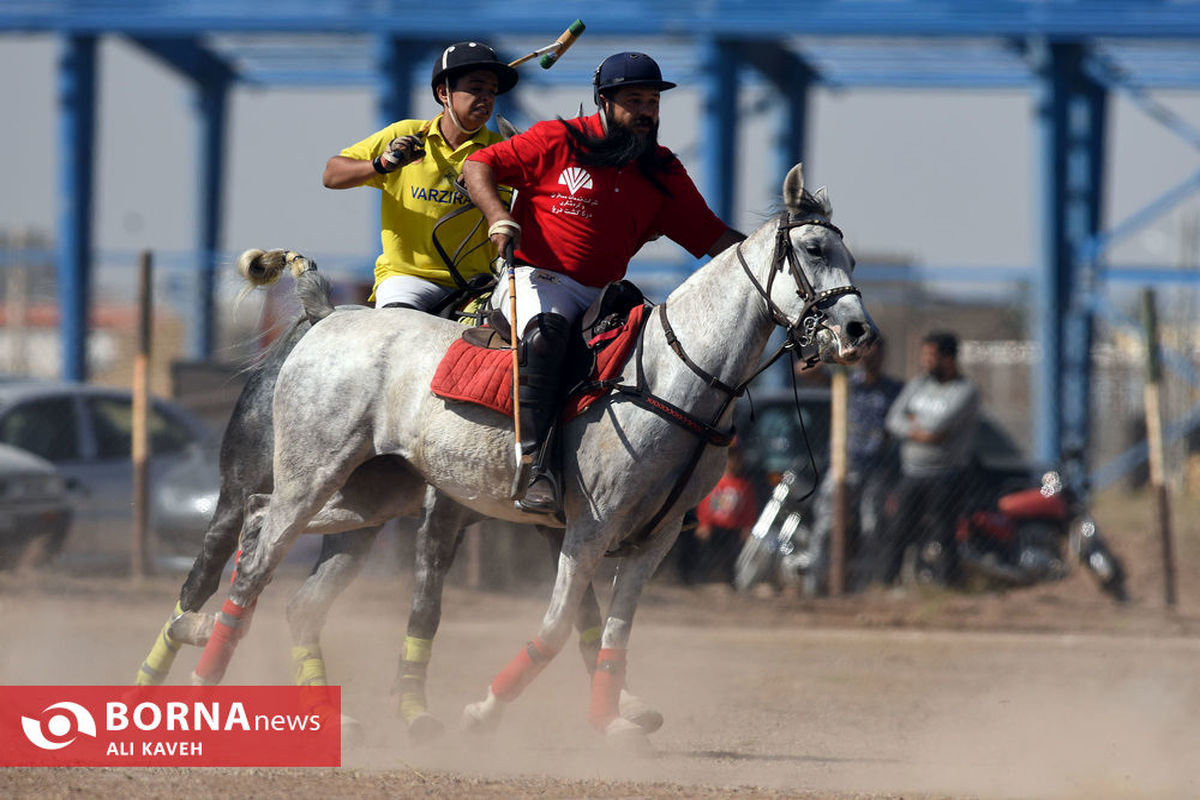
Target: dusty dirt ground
[{"x": 1049, "y": 692}]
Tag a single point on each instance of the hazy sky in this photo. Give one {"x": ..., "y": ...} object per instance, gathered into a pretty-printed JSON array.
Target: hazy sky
[{"x": 946, "y": 178}]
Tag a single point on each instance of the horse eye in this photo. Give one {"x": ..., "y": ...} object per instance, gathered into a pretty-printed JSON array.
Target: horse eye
[{"x": 813, "y": 249}]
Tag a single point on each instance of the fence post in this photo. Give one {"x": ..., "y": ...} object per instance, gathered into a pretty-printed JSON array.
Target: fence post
[
  {"x": 141, "y": 407},
  {"x": 1154, "y": 443},
  {"x": 16, "y": 310},
  {"x": 838, "y": 449}
]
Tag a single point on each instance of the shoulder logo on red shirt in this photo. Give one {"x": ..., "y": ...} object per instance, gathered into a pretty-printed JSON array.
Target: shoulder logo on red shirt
[{"x": 575, "y": 178}]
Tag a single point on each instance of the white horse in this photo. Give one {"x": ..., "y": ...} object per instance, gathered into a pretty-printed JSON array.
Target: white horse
[{"x": 356, "y": 388}]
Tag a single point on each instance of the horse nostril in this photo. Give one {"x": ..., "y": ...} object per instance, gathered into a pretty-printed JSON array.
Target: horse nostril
[{"x": 858, "y": 333}]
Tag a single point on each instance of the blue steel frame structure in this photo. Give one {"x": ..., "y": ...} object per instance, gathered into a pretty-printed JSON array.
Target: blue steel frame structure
[{"x": 1070, "y": 53}]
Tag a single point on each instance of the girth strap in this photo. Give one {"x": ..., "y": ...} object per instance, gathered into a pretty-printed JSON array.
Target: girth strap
[{"x": 706, "y": 432}]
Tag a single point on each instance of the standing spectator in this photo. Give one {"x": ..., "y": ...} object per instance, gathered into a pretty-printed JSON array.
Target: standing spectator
[
  {"x": 934, "y": 418},
  {"x": 869, "y": 472},
  {"x": 725, "y": 517}
]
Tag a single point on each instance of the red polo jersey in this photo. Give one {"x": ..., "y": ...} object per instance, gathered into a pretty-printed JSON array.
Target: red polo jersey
[{"x": 588, "y": 222}]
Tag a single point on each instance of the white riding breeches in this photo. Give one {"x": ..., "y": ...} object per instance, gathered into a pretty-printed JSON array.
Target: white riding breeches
[
  {"x": 411, "y": 291},
  {"x": 540, "y": 291}
]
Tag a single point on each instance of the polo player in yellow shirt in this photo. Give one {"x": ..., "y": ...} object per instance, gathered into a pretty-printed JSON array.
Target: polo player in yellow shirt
[{"x": 415, "y": 164}]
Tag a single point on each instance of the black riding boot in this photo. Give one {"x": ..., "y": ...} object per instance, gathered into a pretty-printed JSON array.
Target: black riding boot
[{"x": 543, "y": 345}]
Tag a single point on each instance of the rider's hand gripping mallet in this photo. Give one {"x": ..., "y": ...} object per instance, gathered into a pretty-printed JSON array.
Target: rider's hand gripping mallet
[{"x": 553, "y": 51}]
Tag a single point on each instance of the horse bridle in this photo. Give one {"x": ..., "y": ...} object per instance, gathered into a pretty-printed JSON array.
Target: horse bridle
[{"x": 802, "y": 332}]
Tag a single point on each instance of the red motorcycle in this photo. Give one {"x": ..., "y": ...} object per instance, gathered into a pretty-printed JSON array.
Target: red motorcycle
[{"x": 1033, "y": 535}]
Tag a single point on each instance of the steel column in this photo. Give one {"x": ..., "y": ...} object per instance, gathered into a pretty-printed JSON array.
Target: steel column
[
  {"x": 1050, "y": 104},
  {"x": 395, "y": 58},
  {"x": 394, "y": 61},
  {"x": 1070, "y": 114},
  {"x": 211, "y": 106},
  {"x": 1085, "y": 176},
  {"x": 76, "y": 128},
  {"x": 791, "y": 123},
  {"x": 720, "y": 125}
]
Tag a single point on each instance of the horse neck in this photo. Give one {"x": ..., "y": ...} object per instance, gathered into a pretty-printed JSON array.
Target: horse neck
[{"x": 720, "y": 322}]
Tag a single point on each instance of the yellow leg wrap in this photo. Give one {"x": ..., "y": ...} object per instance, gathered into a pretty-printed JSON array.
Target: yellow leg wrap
[
  {"x": 591, "y": 635},
  {"x": 412, "y": 705},
  {"x": 418, "y": 650},
  {"x": 410, "y": 685},
  {"x": 158, "y": 663},
  {"x": 308, "y": 667}
]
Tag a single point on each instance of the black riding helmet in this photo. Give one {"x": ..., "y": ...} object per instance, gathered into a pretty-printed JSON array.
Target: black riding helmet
[
  {"x": 463, "y": 57},
  {"x": 627, "y": 69}
]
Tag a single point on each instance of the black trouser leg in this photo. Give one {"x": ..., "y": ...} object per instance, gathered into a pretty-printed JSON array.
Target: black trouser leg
[
  {"x": 543, "y": 345},
  {"x": 901, "y": 528}
]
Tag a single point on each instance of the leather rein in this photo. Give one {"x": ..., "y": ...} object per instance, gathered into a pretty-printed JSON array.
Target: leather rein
[{"x": 801, "y": 335}]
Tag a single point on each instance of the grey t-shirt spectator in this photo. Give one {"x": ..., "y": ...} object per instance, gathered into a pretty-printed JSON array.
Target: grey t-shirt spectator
[{"x": 950, "y": 409}]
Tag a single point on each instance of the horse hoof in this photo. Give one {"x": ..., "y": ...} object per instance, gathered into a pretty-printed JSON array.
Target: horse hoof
[
  {"x": 640, "y": 713},
  {"x": 425, "y": 727},
  {"x": 628, "y": 738},
  {"x": 479, "y": 718},
  {"x": 192, "y": 627},
  {"x": 352, "y": 732}
]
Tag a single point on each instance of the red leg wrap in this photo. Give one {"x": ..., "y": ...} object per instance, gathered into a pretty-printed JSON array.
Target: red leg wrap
[
  {"x": 513, "y": 679},
  {"x": 224, "y": 638},
  {"x": 318, "y": 700},
  {"x": 607, "y": 681}
]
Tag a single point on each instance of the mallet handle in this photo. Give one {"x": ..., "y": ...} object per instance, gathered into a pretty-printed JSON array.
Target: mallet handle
[
  {"x": 541, "y": 51},
  {"x": 516, "y": 360}
]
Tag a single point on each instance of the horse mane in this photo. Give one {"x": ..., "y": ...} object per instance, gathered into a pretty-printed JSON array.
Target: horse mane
[{"x": 809, "y": 204}]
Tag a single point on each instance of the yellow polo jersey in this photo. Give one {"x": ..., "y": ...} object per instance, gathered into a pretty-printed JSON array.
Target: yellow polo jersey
[{"x": 417, "y": 196}]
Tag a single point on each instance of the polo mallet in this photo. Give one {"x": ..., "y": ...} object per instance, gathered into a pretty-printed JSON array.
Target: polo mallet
[
  {"x": 523, "y": 465},
  {"x": 553, "y": 51}
]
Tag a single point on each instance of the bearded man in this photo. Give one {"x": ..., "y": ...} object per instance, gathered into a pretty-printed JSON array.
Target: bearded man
[{"x": 590, "y": 192}]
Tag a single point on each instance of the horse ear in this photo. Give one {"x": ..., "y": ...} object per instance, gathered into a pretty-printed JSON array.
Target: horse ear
[
  {"x": 793, "y": 187},
  {"x": 822, "y": 197},
  {"x": 506, "y": 128}
]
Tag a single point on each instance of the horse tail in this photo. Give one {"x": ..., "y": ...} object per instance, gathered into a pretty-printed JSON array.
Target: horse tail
[{"x": 262, "y": 268}]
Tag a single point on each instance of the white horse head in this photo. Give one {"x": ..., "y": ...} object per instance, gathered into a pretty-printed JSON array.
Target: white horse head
[{"x": 812, "y": 287}]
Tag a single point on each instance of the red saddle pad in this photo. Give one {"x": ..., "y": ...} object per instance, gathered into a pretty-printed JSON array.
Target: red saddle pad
[{"x": 483, "y": 376}]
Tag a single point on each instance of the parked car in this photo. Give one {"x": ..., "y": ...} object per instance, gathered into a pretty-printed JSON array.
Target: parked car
[
  {"x": 35, "y": 511},
  {"x": 86, "y": 432}
]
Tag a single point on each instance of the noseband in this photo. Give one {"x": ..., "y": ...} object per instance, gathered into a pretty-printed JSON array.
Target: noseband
[{"x": 802, "y": 332}]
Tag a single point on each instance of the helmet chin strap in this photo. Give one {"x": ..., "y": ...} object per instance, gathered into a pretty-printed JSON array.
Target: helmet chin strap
[{"x": 454, "y": 117}]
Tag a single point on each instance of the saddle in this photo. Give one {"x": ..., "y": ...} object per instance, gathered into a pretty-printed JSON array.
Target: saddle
[{"x": 477, "y": 368}]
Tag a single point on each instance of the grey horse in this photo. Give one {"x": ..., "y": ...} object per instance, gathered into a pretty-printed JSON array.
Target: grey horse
[
  {"x": 246, "y": 470},
  {"x": 633, "y": 463}
]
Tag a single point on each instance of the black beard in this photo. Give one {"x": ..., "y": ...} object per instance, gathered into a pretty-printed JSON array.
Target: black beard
[
  {"x": 622, "y": 145},
  {"x": 616, "y": 148}
]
